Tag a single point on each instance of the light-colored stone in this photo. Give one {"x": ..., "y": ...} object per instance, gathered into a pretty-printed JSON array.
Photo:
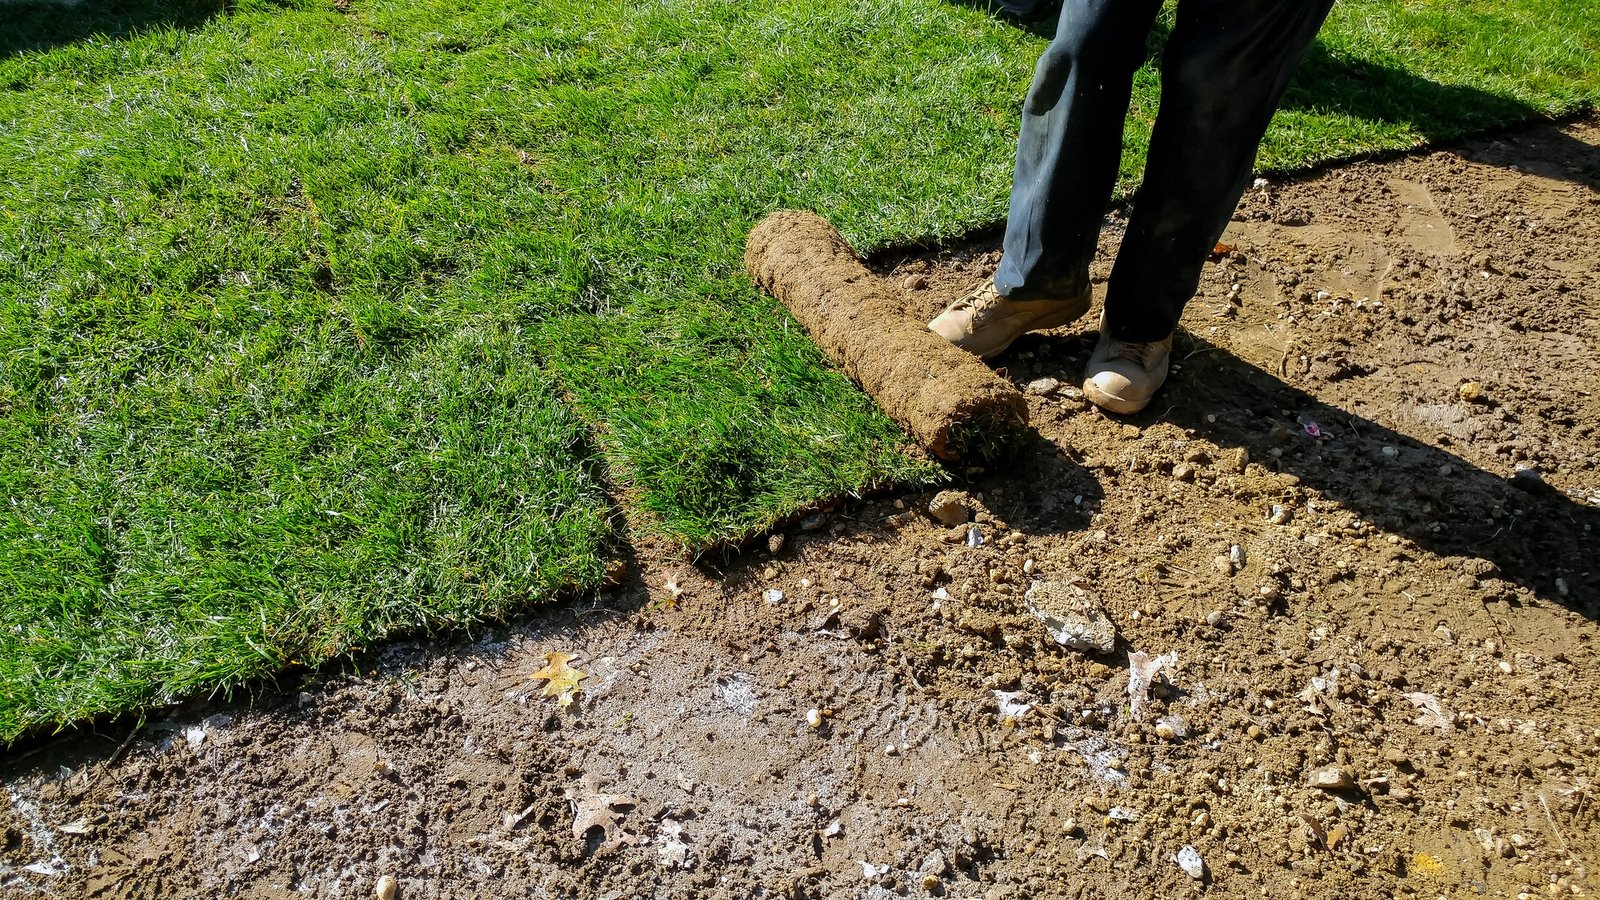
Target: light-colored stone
[
  {"x": 1072, "y": 616},
  {"x": 951, "y": 507},
  {"x": 1332, "y": 778}
]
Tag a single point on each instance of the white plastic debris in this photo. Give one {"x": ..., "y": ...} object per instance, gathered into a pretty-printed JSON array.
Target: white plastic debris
[
  {"x": 197, "y": 734},
  {"x": 773, "y": 597},
  {"x": 674, "y": 852},
  {"x": 1071, "y": 616},
  {"x": 1188, "y": 859},
  {"x": 974, "y": 536},
  {"x": 1010, "y": 706},
  {"x": 1142, "y": 671},
  {"x": 1434, "y": 715},
  {"x": 870, "y": 871}
]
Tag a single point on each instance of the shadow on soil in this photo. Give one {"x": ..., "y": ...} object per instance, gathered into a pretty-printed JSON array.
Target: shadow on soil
[
  {"x": 1519, "y": 528},
  {"x": 32, "y": 27},
  {"x": 1448, "y": 506}
]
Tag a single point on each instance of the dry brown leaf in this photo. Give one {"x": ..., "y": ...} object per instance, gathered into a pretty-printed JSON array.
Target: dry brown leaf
[
  {"x": 1222, "y": 249},
  {"x": 592, "y": 808},
  {"x": 561, "y": 680}
]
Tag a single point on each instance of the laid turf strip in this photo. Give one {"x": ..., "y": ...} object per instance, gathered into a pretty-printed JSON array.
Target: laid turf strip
[{"x": 324, "y": 319}]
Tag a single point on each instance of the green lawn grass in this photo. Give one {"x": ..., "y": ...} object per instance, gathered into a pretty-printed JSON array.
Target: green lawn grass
[{"x": 317, "y": 323}]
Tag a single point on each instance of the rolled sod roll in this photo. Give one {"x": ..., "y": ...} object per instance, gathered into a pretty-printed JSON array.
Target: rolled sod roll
[{"x": 948, "y": 399}]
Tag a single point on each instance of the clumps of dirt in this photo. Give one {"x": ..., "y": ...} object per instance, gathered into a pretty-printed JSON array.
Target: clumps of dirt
[{"x": 952, "y": 403}]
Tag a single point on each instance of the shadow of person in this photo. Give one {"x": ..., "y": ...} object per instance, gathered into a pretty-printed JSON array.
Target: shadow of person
[
  {"x": 34, "y": 26},
  {"x": 1527, "y": 533}
]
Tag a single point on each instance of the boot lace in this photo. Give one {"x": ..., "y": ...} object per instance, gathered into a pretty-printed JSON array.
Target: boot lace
[
  {"x": 982, "y": 297},
  {"x": 1141, "y": 353}
]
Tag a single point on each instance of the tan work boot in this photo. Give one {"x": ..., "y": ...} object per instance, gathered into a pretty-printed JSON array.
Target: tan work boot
[
  {"x": 1122, "y": 376},
  {"x": 985, "y": 323}
]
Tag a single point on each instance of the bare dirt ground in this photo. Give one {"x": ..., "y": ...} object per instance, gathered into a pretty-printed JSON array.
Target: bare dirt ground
[{"x": 1382, "y": 678}]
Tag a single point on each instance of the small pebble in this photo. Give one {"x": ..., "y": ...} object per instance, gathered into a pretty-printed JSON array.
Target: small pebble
[
  {"x": 1390, "y": 452},
  {"x": 775, "y": 543},
  {"x": 1165, "y": 731},
  {"x": 814, "y": 718},
  {"x": 1043, "y": 387},
  {"x": 916, "y": 281},
  {"x": 890, "y": 750},
  {"x": 1188, "y": 859},
  {"x": 386, "y": 888},
  {"x": 1281, "y": 515},
  {"x": 1332, "y": 778},
  {"x": 1214, "y": 618},
  {"x": 1183, "y": 472},
  {"x": 1527, "y": 478},
  {"x": 1471, "y": 391}
]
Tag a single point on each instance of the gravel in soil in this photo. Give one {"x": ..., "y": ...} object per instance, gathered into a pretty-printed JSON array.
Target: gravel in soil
[{"x": 1349, "y": 558}]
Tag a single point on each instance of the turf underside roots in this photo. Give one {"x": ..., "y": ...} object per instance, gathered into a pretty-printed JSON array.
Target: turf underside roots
[{"x": 324, "y": 321}]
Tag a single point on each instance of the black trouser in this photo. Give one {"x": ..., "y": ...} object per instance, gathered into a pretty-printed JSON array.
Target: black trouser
[{"x": 1225, "y": 68}]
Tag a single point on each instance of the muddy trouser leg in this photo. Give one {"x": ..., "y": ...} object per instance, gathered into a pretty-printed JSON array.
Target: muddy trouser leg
[
  {"x": 1070, "y": 146},
  {"x": 1224, "y": 70}
]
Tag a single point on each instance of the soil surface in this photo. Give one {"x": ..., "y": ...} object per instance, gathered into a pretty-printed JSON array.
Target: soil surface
[
  {"x": 1362, "y": 646},
  {"x": 947, "y": 399}
]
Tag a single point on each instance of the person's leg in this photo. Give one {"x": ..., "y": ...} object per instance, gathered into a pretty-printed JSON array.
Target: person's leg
[
  {"x": 1223, "y": 73},
  {"x": 1067, "y": 160},
  {"x": 1070, "y": 147},
  {"x": 1224, "y": 70}
]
